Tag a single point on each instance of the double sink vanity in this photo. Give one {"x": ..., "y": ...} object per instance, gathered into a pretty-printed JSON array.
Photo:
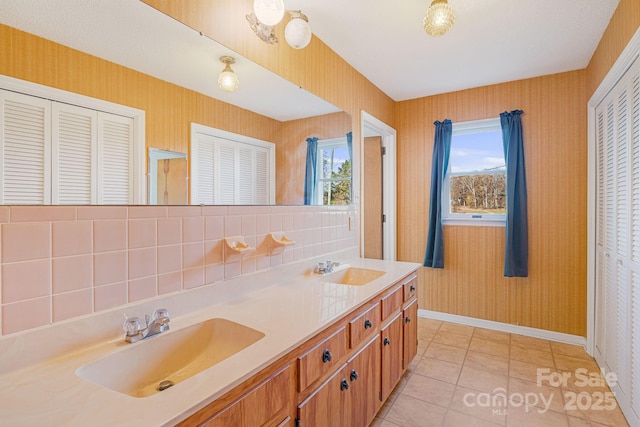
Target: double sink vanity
[{"x": 286, "y": 347}]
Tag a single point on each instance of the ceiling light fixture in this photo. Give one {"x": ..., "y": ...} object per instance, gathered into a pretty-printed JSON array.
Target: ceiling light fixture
[
  {"x": 269, "y": 12},
  {"x": 439, "y": 18},
  {"x": 298, "y": 32},
  {"x": 227, "y": 80}
]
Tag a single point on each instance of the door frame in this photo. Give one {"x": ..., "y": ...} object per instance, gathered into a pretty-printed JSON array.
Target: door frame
[
  {"x": 369, "y": 126},
  {"x": 619, "y": 68}
]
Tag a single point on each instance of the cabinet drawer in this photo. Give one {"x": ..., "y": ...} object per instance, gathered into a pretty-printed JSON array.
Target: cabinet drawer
[
  {"x": 363, "y": 325},
  {"x": 392, "y": 301},
  {"x": 321, "y": 358},
  {"x": 410, "y": 287}
]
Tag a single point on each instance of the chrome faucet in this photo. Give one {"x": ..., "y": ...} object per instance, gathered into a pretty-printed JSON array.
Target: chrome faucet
[
  {"x": 158, "y": 323},
  {"x": 326, "y": 267}
]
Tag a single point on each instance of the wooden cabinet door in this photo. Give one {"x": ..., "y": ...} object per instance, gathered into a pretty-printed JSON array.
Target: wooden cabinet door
[
  {"x": 410, "y": 320},
  {"x": 329, "y": 404},
  {"x": 392, "y": 349},
  {"x": 364, "y": 378}
]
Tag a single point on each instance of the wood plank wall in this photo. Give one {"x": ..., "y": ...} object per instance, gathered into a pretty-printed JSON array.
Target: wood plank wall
[
  {"x": 553, "y": 297},
  {"x": 291, "y": 152},
  {"x": 623, "y": 25}
]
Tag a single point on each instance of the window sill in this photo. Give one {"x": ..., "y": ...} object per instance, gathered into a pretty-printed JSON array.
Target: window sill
[{"x": 477, "y": 222}]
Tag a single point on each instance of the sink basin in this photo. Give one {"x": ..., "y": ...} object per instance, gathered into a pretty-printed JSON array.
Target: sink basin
[
  {"x": 353, "y": 276},
  {"x": 169, "y": 357}
]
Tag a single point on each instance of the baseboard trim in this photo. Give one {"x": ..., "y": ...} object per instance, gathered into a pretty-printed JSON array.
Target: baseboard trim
[{"x": 505, "y": 327}]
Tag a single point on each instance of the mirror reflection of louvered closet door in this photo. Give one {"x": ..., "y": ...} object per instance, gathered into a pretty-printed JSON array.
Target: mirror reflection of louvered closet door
[{"x": 617, "y": 317}]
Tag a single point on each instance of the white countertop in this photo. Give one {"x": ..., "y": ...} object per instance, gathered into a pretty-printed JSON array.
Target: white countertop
[{"x": 40, "y": 387}]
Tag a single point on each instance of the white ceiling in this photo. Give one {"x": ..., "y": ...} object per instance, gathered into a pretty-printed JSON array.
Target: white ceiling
[{"x": 492, "y": 41}]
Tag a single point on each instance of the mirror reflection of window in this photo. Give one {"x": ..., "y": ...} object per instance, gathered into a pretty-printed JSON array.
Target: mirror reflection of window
[{"x": 333, "y": 173}]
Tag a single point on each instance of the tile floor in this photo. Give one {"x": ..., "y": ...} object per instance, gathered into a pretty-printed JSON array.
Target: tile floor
[{"x": 462, "y": 377}]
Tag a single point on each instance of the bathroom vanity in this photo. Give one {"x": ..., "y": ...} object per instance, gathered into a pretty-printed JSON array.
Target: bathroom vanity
[{"x": 318, "y": 350}]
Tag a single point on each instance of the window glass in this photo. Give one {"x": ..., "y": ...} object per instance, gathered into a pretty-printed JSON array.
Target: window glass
[
  {"x": 476, "y": 178},
  {"x": 333, "y": 182}
]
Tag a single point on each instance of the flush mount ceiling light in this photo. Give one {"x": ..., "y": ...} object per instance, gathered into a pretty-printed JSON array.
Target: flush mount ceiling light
[
  {"x": 439, "y": 18},
  {"x": 269, "y": 12},
  {"x": 227, "y": 80},
  {"x": 298, "y": 32}
]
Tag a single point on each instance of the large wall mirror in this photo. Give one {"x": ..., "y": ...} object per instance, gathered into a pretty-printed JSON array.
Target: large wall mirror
[{"x": 265, "y": 106}]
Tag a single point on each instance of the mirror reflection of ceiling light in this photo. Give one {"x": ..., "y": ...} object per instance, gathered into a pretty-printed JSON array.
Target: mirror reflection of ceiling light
[
  {"x": 269, "y": 12},
  {"x": 439, "y": 18},
  {"x": 227, "y": 80},
  {"x": 298, "y": 32}
]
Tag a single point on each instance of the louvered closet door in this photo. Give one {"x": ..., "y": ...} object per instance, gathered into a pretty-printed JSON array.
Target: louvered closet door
[
  {"x": 225, "y": 173},
  {"x": 262, "y": 177},
  {"x": 115, "y": 159},
  {"x": 202, "y": 170},
  {"x": 74, "y": 155},
  {"x": 618, "y": 239},
  {"x": 25, "y": 169}
]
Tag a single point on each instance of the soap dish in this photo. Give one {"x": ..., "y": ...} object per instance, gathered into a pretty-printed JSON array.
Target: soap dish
[
  {"x": 235, "y": 248},
  {"x": 277, "y": 245}
]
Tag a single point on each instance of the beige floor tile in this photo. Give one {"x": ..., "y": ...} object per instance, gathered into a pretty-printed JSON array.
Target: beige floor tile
[
  {"x": 379, "y": 422},
  {"x": 531, "y": 355},
  {"x": 487, "y": 362},
  {"x": 491, "y": 335},
  {"x": 534, "y": 417},
  {"x": 456, "y": 419},
  {"x": 569, "y": 350},
  {"x": 422, "y": 345},
  {"x": 446, "y": 352},
  {"x": 484, "y": 381},
  {"x": 454, "y": 340},
  {"x": 426, "y": 334},
  {"x": 526, "y": 371},
  {"x": 439, "y": 370},
  {"x": 571, "y": 364},
  {"x": 612, "y": 418},
  {"x": 479, "y": 405},
  {"x": 495, "y": 348},
  {"x": 408, "y": 411},
  {"x": 429, "y": 390},
  {"x": 456, "y": 328},
  {"x": 530, "y": 342},
  {"x": 530, "y": 394},
  {"x": 579, "y": 422},
  {"x": 424, "y": 322}
]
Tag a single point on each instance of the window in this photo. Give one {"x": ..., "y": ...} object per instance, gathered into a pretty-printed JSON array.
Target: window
[
  {"x": 333, "y": 180},
  {"x": 231, "y": 169},
  {"x": 475, "y": 183}
]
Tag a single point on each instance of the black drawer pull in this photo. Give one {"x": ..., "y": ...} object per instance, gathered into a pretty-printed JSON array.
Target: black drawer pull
[
  {"x": 367, "y": 324},
  {"x": 412, "y": 288},
  {"x": 344, "y": 385},
  {"x": 354, "y": 375},
  {"x": 326, "y": 356},
  {"x": 386, "y": 341},
  {"x": 407, "y": 319}
]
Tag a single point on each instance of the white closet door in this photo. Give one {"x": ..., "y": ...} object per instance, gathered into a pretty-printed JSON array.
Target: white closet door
[
  {"x": 246, "y": 170},
  {"x": 202, "y": 187},
  {"x": 115, "y": 159},
  {"x": 262, "y": 177},
  {"x": 74, "y": 155},
  {"x": 226, "y": 173},
  {"x": 25, "y": 126}
]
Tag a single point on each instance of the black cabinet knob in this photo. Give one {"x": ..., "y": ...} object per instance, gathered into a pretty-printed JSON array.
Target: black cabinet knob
[
  {"x": 367, "y": 324},
  {"x": 354, "y": 375},
  {"x": 344, "y": 385},
  {"x": 412, "y": 288},
  {"x": 326, "y": 356},
  {"x": 407, "y": 319},
  {"x": 386, "y": 341}
]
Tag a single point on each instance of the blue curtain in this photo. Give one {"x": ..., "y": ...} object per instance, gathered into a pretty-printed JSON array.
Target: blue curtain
[
  {"x": 516, "y": 255},
  {"x": 434, "y": 256},
  {"x": 310, "y": 171},
  {"x": 349, "y": 145}
]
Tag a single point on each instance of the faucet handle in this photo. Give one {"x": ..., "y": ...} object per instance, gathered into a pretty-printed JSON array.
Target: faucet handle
[
  {"x": 132, "y": 326},
  {"x": 160, "y": 313}
]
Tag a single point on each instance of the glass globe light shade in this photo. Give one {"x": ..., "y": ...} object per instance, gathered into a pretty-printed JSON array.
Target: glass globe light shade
[
  {"x": 269, "y": 12},
  {"x": 227, "y": 80},
  {"x": 298, "y": 33},
  {"x": 439, "y": 18}
]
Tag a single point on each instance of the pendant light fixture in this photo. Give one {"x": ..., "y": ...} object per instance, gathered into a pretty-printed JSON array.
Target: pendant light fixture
[
  {"x": 269, "y": 12},
  {"x": 439, "y": 18},
  {"x": 298, "y": 32},
  {"x": 227, "y": 80}
]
